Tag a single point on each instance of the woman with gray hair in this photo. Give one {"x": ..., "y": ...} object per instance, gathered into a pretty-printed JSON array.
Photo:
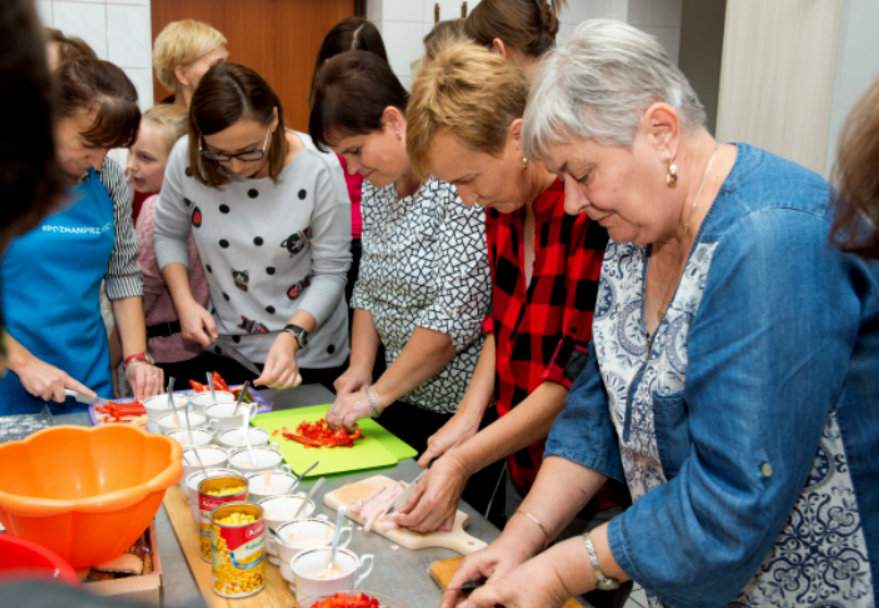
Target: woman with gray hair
[{"x": 733, "y": 366}]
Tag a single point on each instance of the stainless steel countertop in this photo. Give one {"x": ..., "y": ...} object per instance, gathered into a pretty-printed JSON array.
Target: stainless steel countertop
[{"x": 399, "y": 573}]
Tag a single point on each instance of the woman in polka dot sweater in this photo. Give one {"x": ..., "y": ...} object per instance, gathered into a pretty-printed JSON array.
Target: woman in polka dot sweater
[{"x": 271, "y": 221}]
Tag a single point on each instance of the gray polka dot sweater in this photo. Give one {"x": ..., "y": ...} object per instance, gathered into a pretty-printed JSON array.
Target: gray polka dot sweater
[{"x": 268, "y": 249}]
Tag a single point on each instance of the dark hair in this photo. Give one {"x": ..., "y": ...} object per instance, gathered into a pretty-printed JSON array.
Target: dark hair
[
  {"x": 103, "y": 87},
  {"x": 70, "y": 48},
  {"x": 529, "y": 26},
  {"x": 227, "y": 93},
  {"x": 349, "y": 34},
  {"x": 30, "y": 178},
  {"x": 856, "y": 175},
  {"x": 351, "y": 92}
]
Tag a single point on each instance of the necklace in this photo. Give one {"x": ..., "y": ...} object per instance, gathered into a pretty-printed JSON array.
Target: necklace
[{"x": 668, "y": 295}]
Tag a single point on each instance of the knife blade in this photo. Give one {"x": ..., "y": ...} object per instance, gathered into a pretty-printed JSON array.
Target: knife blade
[
  {"x": 82, "y": 397},
  {"x": 408, "y": 491},
  {"x": 226, "y": 347}
]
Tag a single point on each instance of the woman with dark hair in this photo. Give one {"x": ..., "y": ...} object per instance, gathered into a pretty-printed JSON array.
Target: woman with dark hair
[
  {"x": 856, "y": 226},
  {"x": 423, "y": 288},
  {"x": 52, "y": 275},
  {"x": 520, "y": 30},
  {"x": 270, "y": 219},
  {"x": 351, "y": 33}
]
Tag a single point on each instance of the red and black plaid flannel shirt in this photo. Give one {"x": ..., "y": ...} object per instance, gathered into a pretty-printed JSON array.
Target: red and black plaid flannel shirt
[{"x": 540, "y": 334}]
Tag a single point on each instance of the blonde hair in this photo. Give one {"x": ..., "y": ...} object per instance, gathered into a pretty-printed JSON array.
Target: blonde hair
[
  {"x": 442, "y": 35},
  {"x": 172, "y": 120},
  {"x": 470, "y": 92},
  {"x": 181, "y": 43}
]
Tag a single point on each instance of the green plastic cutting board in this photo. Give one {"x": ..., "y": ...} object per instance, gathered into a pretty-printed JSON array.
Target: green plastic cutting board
[{"x": 377, "y": 448}]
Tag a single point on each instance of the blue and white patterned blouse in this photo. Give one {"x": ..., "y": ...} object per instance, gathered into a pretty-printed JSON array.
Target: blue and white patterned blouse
[{"x": 741, "y": 426}]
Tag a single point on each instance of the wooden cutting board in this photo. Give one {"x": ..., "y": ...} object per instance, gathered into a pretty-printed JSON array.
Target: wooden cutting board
[
  {"x": 276, "y": 593},
  {"x": 441, "y": 571},
  {"x": 456, "y": 539}
]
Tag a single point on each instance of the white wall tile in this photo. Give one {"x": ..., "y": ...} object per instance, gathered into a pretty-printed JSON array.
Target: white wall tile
[
  {"x": 374, "y": 12},
  {"x": 142, "y": 78},
  {"x": 44, "y": 12},
  {"x": 128, "y": 35},
  {"x": 403, "y": 10},
  {"x": 404, "y": 44},
  {"x": 83, "y": 19}
]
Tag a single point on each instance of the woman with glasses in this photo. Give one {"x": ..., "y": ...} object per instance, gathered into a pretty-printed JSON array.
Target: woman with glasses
[{"x": 271, "y": 224}]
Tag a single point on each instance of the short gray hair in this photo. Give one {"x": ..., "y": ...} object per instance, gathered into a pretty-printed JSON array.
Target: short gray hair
[{"x": 597, "y": 85}]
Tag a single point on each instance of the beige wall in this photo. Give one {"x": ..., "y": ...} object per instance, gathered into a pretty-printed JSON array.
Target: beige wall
[{"x": 776, "y": 85}]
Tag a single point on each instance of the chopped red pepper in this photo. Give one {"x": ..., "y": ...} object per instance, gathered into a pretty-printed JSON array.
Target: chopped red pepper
[
  {"x": 320, "y": 434},
  {"x": 220, "y": 384},
  {"x": 347, "y": 600}
]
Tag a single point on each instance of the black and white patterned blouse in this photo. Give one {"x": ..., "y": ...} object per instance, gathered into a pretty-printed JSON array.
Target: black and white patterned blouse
[{"x": 425, "y": 264}]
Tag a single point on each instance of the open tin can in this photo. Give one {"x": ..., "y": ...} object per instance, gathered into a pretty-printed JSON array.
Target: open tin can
[
  {"x": 215, "y": 492},
  {"x": 238, "y": 550}
]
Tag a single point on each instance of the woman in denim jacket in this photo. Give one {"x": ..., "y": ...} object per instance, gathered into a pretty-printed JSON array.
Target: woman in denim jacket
[{"x": 734, "y": 364}]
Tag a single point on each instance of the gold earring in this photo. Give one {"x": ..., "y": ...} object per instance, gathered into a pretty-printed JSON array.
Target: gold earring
[
  {"x": 671, "y": 174},
  {"x": 524, "y": 162}
]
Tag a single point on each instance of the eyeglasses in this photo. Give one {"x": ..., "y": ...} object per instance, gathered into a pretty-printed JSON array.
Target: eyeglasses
[{"x": 247, "y": 156}]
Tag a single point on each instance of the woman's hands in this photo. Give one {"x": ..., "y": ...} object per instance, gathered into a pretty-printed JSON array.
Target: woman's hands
[
  {"x": 460, "y": 427},
  {"x": 197, "y": 324},
  {"x": 45, "y": 381},
  {"x": 533, "y": 584},
  {"x": 280, "y": 369},
  {"x": 433, "y": 504},
  {"x": 494, "y": 561},
  {"x": 144, "y": 379},
  {"x": 352, "y": 380},
  {"x": 350, "y": 407}
]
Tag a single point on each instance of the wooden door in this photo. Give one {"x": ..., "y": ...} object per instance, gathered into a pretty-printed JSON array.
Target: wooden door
[{"x": 277, "y": 38}]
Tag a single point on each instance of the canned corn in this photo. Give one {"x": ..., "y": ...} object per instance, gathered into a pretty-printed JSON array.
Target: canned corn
[
  {"x": 215, "y": 492},
  {"x": 238, "y": 550}
]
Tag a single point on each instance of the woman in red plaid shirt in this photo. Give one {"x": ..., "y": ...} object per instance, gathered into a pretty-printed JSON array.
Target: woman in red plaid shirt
[{"x": 464, "y": 119}]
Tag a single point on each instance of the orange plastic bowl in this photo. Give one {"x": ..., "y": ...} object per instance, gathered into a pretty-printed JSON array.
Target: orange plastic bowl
[{"x": 85, "y": 493}]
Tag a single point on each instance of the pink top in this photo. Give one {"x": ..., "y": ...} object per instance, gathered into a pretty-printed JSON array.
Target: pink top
[
  {"x": 157, "y": 303},
  {"x": 355, "y": 185}
]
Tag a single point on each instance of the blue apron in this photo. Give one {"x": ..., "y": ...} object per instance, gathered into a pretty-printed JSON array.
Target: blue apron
[{"x": 51, "y": 279}]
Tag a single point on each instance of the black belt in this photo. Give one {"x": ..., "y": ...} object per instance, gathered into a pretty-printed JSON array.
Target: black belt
[{"x": 163, "y": 330}]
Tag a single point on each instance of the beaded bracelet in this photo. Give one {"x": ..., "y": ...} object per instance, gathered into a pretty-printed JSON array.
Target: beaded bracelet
[{"x": 374, "y": 410}]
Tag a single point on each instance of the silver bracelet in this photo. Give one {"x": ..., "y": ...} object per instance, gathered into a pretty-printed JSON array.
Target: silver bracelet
[
  {"x": 374, "y": 409},
  {"x": 603, "y": 582}
]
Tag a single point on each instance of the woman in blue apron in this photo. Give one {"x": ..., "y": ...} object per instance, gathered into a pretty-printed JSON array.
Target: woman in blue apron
[{"x": 52, "y": 275}]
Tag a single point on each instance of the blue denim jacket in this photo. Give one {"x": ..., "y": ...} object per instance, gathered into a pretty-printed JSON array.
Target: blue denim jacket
[{"x": 784, "y": 339}]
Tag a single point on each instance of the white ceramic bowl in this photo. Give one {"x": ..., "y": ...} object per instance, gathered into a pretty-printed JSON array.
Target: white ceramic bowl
[
  {"x": 279, "y": 510},
  {"x": 200, "y": 437},
  {"x": 158, "y": 406},
  {"x": 234, "y": 438},
  {"x": 222, "y": 417},
  {"x": 264, "y": 459},
  {"x": 169, "y": 423},
  {"x": 205, "y": 400},
  {"x": 270, "y": 483},
  {"x": 304, "y": 534},
  {"x": 211, "y": 456},
  {"x": 313, "y": 580}
]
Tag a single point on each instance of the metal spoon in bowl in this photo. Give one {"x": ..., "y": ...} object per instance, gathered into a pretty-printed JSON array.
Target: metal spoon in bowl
[
  {"x": 240, "y": 398},
  {"x": 210, "y": 378},
  {"x": 170, "y": 391},
  {"x": 337, "y": 534},
  {"x": 311, "y": 492},
  {"x": 245, "y": 435},
  {"x": 302, "y": 475}
]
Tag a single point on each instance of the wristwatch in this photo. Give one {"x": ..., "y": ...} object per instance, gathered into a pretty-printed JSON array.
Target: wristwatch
[
  {"x": 297, "y": 332},
  {"x": 603, "y": 582},
  {"x": 145, "y": 357}
]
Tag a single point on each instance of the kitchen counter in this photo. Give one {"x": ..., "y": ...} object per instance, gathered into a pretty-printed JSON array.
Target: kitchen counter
[{"x": 398, "y": 572}]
